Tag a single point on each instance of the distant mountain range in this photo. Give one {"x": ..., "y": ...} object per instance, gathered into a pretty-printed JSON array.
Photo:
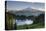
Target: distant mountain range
[{"x": 27, "y": 12}]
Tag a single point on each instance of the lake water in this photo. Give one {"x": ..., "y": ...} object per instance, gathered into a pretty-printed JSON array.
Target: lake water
[{"x": 23, "y": 22}]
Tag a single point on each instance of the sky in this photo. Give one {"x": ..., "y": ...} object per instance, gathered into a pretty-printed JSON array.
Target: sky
[
  {"x": 17, "y": 5},
  {"x": 28, "y": 0}
]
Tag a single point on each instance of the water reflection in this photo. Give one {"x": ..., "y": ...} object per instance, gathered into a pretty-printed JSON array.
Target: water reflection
[{"x": 23, "y": 21}]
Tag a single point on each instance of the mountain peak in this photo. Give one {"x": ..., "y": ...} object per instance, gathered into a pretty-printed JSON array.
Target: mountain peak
[{"x": 28, "y": 8}]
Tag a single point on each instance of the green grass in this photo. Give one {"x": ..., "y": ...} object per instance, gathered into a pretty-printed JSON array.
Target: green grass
[{"x": 38, "y": 25}]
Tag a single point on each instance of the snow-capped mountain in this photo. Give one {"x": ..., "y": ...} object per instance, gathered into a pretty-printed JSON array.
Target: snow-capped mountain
[{"x": 28, "y": 12}]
